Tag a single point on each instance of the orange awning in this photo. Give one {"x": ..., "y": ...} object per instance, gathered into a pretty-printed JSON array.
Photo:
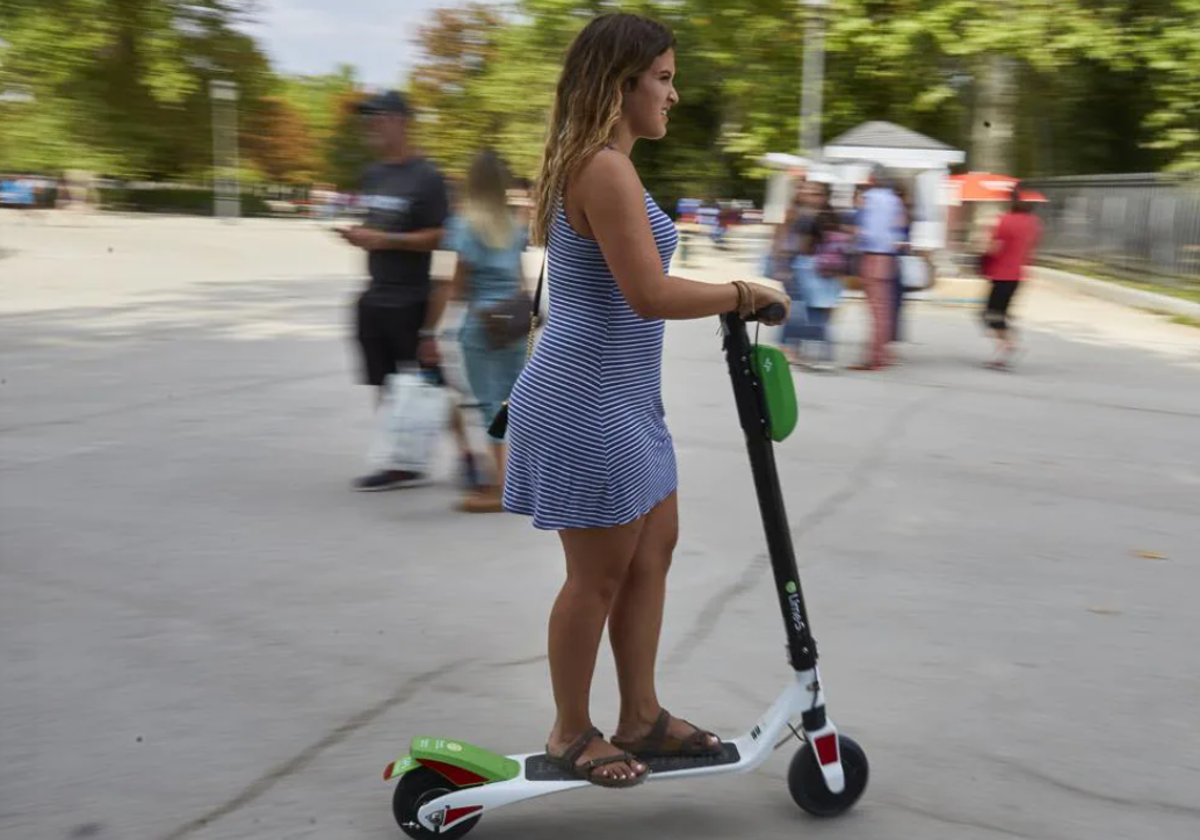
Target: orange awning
[{"x": 986, "y": 186}]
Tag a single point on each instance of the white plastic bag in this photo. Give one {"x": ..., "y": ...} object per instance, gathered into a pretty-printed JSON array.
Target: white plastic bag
[
  {"x": 450, "y": 351},
  {"x": 409, "y": 422}
]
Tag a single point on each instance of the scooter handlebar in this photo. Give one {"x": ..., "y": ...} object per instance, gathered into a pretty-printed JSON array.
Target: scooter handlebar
[{"x": 770, "y": 312}]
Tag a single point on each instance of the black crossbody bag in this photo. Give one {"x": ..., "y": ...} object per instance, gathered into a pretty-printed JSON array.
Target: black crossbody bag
[{"x": 500, "y": 424}]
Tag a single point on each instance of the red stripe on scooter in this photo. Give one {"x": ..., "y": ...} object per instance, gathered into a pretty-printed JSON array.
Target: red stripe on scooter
[
  {"x": 827, "y": 749},
  {"x": 453, "y": 815},
  {"x": 454, "y": 775}
]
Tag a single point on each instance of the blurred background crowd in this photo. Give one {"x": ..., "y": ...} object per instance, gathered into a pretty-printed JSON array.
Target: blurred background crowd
[
  {"x": 838, "y": 146},
  {"x": 179, "y": 106}
]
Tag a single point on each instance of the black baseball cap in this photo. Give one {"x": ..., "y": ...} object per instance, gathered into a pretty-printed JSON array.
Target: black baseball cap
[{"x": 388, "y": 102}]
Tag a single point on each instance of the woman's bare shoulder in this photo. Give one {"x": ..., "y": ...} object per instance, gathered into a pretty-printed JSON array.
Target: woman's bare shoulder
[{"x": 609, "y": 170}]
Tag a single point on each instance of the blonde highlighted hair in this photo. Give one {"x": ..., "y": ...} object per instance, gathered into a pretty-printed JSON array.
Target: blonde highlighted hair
[
  {"x": 609, "y": 53},
  {"x": 486, "y": 206}
]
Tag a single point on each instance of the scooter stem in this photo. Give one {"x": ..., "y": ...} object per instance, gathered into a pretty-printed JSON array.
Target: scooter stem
[{"x": 752, "y": 412}]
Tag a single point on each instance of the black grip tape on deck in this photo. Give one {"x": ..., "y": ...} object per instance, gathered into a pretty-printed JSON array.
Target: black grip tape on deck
[{"x": 538, "y": 768}]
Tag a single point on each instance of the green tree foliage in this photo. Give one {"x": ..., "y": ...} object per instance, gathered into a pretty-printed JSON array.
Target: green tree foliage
[
  {"x": 1099, "y": 85},
  {"x": 1102, "y": 85},
  {"x": 279, "y": 142},
  {"x": 346, "y": 154},
  {"x": 326, "y": 106},
  {"x": 121, "y": 86},
  {"x": 1167, "y": 35},
  {"x": 459, "y": 46}
]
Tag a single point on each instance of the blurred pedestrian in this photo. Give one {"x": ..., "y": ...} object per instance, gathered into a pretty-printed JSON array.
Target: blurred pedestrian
[
  {"x": 851, "y": 217},
  {"x": 489, "y": 241},
  {"x": 903, "y": 249},
  {"x": 799, "y": 246},
  {"x": 782, "y": 248},
  {"x": 877, "y": 243},
  {"x": 590, "y": 455},
  {"x": 710, "y": 215},
  {"x": 822, "y": 277},
  {"x": 1013, "y": 243},
  {"x": 404, "y": 196}
]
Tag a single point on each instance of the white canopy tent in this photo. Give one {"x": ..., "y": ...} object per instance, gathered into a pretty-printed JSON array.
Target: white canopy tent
[
  {"x": 893, "y": 146},
  {"x": 786, "y": 169},
  {"x": 924, "y": 163}
]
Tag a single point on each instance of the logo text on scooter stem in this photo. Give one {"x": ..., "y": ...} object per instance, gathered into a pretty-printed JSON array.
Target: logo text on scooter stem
[{"x": 797, "y": 618}]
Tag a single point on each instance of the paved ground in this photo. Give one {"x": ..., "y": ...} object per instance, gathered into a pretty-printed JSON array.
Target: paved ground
[{"x": 205, "y": 635}]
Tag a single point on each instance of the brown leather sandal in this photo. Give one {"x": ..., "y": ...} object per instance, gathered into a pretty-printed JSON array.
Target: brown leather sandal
[
  {"x": 657, "y": 744},
  {"x": 587, "y": 770}
]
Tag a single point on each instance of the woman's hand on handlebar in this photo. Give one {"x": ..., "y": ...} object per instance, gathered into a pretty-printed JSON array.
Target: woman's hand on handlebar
[{"x": 767, "y": 304}]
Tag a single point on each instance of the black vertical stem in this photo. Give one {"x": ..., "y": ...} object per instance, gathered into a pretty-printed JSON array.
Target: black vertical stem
[{"x": 751, "y": 406}]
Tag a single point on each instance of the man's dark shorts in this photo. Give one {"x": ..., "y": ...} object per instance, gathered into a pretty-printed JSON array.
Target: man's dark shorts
[
  {"x": 388, "y": 335},
  {"x": 995, "y": 313}
]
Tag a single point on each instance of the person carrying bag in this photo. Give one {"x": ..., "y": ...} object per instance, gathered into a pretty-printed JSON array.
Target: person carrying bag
[{"x": 489, "y": 279}]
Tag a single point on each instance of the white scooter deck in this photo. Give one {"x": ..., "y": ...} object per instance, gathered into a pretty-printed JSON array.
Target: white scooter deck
[{"x": 540, "y": 777}]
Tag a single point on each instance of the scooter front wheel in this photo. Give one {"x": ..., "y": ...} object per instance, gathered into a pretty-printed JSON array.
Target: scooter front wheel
[
  {"x": 415, "y": 789},
  {"x": 806, "y": 783}
]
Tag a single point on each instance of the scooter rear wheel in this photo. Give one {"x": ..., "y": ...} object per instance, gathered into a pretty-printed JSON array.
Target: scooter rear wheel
[
  {"x": 413, "y": 791},
  {"x": 807, "y": 784}
]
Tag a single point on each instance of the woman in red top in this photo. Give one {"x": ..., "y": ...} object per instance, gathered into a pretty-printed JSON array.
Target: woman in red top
[{"x": 1011, "y": 249}]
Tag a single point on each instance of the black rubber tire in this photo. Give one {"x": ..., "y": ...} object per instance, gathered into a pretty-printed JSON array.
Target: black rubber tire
[
  {"x": 807, "y": 784},
  {"x": 415, "y": 788}
]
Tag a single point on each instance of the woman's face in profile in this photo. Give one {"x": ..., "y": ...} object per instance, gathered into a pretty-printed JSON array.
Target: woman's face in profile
[{"x": 647, "y": 104}]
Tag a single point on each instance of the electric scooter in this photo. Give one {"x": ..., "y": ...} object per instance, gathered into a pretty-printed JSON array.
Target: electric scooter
[{"x": 446, "y": 786}]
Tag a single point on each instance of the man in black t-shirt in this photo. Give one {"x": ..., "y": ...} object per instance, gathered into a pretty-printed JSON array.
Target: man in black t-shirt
[{"x": 406, "y": 202}]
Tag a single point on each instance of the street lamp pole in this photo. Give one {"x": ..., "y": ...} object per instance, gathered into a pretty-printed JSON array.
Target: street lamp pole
[
  {"x": 814, "y": 77},
  {"x": 226, "y": 203}
]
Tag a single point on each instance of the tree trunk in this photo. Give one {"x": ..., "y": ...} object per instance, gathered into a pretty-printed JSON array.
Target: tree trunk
[{"x": 993, "y": 135}]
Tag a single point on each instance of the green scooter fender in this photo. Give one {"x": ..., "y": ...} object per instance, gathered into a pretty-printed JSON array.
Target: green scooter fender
[
  {"x": 462, "y": 764},
  {"x": 399, "y": 767}
]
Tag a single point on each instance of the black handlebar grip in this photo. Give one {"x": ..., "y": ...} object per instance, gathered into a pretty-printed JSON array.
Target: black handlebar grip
[{"x": 770, "y": 312}]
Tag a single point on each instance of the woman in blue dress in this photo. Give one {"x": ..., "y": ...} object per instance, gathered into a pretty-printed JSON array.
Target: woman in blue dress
[
  {"x": 590, "y": 455},
  {"x": 489, "y": 242}
]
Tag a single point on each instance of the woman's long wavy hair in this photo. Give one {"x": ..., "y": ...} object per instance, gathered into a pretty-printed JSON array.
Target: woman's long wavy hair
[{"x": 605, "y": 56}]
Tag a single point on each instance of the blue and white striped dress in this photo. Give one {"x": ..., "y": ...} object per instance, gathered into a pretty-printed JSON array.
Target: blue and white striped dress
[{"x": 588, "y": 442}]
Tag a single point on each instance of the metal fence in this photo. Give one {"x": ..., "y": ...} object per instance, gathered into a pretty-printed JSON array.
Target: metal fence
[{"x": 1143, "y": 226}]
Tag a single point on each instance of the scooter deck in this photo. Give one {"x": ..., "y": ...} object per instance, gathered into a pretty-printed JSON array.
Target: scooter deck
[{"x": 538, "y": 768}]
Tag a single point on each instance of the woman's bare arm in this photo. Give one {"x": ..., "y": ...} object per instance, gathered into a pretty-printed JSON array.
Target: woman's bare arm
[{"x": 613, "y": 200}]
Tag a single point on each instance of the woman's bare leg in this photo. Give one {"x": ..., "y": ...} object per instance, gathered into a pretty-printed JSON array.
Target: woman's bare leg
[
  {"x": 635, "y": 625},
  {"x": 597, "y": 562},
  {"x": 489, "y": 497},
  {"x": 500, "y": 457}
]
